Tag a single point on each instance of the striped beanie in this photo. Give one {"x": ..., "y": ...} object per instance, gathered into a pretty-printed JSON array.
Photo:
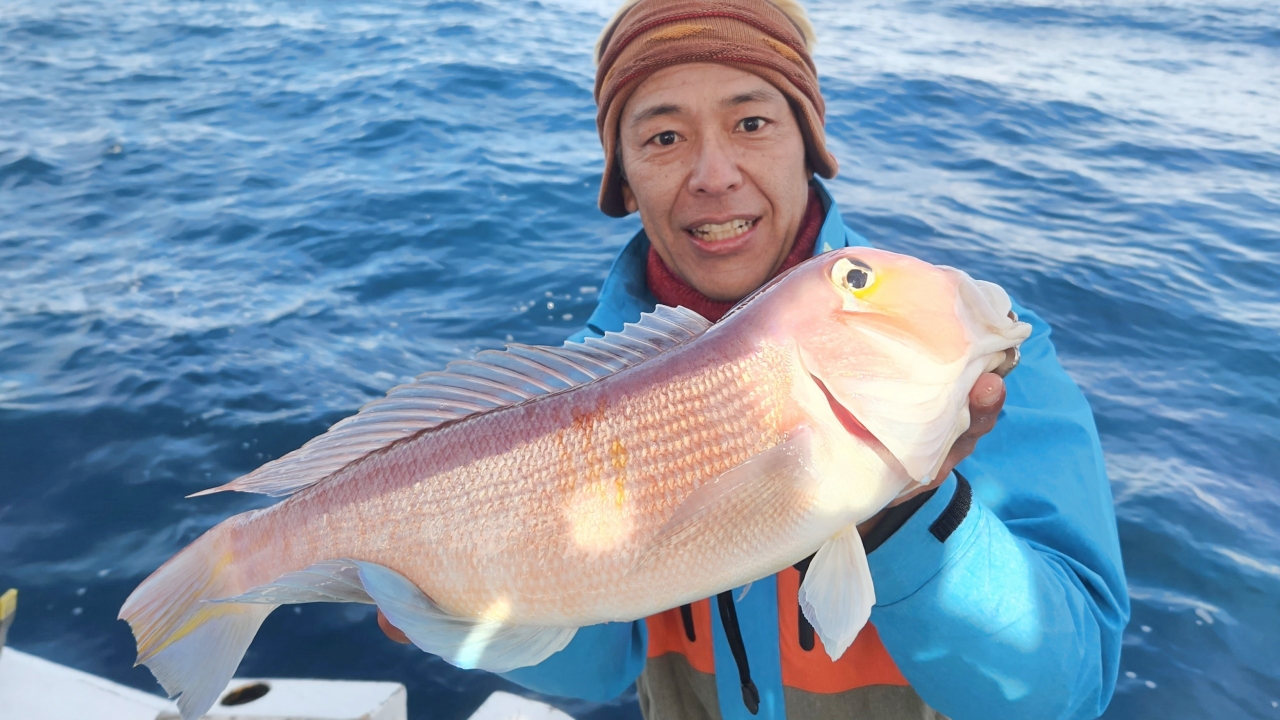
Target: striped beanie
[{"x": 756, "y": 36}]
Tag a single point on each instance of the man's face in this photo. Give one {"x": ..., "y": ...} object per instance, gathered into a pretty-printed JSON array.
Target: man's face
[{"x": 714, "y": 161}]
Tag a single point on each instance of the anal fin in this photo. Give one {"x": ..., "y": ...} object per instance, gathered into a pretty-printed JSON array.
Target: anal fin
[{"x": 463, "y": 642}]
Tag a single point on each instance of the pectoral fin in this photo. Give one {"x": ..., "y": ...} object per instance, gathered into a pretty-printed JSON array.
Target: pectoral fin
[
  {"x": 837, "y": 594},
  {"x": 761, "y": 485}
]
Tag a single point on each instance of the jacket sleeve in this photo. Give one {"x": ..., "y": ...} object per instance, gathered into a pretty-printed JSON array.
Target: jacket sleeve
[
  {"x": 1011, "y": 601},
  {"x": 598, "y": 664}
]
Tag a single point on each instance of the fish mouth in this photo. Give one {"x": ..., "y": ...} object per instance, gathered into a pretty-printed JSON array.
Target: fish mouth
[
  {"x": 855, "y": 428},
  {"x": 1011, "y": 356}
]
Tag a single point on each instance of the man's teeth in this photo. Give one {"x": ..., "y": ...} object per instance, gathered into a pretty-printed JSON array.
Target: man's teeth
[{"x": 715, "y": 232}]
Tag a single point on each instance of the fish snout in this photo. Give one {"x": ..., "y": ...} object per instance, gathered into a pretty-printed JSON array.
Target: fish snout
[{"x": 991, "y": 314}]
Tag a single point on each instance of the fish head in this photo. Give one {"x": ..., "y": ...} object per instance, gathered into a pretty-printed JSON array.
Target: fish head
[{"x": 895, "y": 344}]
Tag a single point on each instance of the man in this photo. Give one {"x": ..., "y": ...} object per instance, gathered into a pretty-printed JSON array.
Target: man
[{"x": 1000, "y": 592}]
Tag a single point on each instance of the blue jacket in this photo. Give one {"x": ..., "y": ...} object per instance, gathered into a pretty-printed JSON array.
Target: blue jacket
[{"x": 1018, "y": 614}]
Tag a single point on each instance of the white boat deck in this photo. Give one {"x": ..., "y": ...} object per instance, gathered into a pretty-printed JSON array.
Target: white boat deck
[
  {"x": 35, "y": 689},
  {"x": 38, "y": 689}
]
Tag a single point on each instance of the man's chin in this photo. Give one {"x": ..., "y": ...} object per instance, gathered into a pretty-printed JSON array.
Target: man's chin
[{"x": 727, "y": 285}]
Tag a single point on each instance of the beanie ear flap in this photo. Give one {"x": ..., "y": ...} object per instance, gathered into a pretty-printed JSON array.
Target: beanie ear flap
[{"x": 610, "y": 201}]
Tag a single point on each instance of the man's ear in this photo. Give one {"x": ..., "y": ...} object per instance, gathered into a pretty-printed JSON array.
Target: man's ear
[{"x": 628, "y": 197}]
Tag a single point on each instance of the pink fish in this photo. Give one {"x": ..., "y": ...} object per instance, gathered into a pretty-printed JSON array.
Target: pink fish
[{"x": 491, "y": 509}]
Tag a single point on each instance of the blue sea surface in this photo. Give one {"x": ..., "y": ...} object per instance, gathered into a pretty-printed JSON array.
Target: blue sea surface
[{"x": 226, "y": 225}]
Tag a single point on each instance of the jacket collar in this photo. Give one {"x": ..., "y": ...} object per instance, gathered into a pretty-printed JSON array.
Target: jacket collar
[{"x": 624, "y": 294}]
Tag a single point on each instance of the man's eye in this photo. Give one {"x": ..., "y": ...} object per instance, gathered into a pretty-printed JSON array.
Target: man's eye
[
  {"x": 753, "y": 124},
  {"x": 666, "y": 138}
]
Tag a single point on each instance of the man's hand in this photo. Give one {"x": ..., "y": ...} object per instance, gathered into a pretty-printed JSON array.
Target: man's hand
[
  {"x": 392, "y": 631},
  {"x": 985, "y": 401}
]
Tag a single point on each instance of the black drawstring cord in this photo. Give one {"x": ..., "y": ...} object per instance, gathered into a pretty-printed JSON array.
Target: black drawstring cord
[
  {"x": 806, "y": 630},
  {"x": 729, "y": 619},
  {"x": 686, "y": 614}
]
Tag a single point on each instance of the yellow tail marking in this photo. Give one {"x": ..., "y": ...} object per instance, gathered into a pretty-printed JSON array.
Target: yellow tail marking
[
  {"x": 154, "y": 639},
  {"x": 8, "y": 603},
  {"x": 201, "y": 616}
]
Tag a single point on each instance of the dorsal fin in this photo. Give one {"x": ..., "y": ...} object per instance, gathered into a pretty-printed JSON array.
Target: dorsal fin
[{"x": 494, "y": 379}]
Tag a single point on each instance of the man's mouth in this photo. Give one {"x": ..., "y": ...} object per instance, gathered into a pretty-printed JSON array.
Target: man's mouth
[{"x": 719, "y": 232}]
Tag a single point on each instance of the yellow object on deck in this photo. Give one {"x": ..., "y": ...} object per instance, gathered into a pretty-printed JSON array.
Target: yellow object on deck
[{"x": 8, "y": 606}]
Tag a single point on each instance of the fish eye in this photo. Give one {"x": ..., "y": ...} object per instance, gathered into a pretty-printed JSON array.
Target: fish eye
[
  {"x": 852, "y": 274},
  {"x": 857, "y": 278}
]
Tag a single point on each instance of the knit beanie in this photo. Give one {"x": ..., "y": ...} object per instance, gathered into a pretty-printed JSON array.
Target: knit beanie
[{"x": 752, "y": 35}]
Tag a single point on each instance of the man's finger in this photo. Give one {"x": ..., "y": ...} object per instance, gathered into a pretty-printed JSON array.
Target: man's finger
[
  {"x": 987, "y": 393},
  {"x": 986, "y": 398},
  {"x": 985, "y": 401},
  {"x": 392, "y": 631}
]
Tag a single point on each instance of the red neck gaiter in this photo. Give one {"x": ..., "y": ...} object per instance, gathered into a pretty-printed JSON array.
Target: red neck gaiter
[{"x": 669, "y": 289}]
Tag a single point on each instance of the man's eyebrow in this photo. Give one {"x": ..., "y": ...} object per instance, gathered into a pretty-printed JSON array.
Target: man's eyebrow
[
  {"x": 760, "y": 95},
  {"x": 653, "y": 112}
]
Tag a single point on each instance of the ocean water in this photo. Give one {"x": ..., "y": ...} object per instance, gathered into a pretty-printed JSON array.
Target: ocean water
[{"x": 226, "y": 225}]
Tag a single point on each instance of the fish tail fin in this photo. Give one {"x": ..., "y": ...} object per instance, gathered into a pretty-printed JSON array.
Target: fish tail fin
[{"x": 190, "y": 644}]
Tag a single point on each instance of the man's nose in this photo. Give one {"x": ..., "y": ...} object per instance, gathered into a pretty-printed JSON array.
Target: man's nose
[{"x": 715, "y": 167}]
